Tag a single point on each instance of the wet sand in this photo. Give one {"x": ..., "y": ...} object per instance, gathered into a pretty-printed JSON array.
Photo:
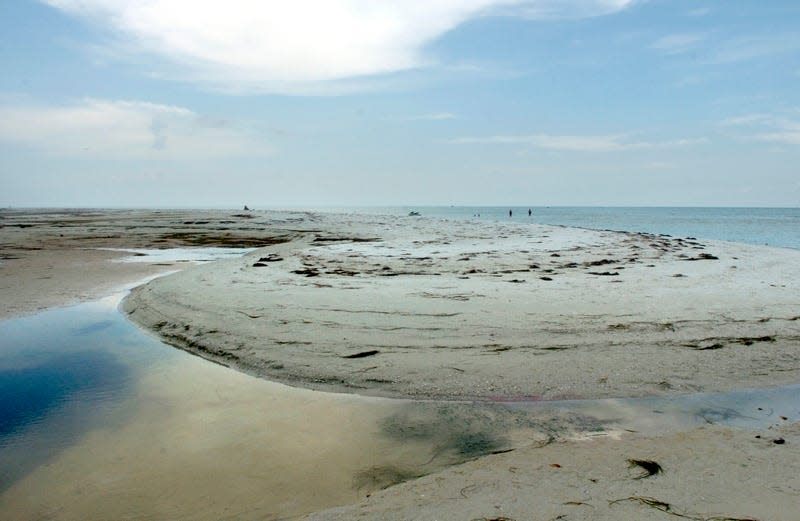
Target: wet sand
[
  {"x": 467, "y": 311},
  {"x": 710, "y": 473},
  {"x": 57, "y": 257}
]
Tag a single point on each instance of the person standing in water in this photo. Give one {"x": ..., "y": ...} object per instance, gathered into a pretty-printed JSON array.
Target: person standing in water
[
  {"x": 509, "y": 213},
  {"x": 529, "y": 212}
]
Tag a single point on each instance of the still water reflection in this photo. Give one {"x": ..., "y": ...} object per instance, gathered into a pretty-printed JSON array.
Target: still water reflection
[{"x": 99, "y": 420}]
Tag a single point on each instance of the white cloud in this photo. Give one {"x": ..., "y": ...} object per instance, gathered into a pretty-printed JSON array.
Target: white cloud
[
  {"x": 104, "y": 129},
  {"x": 434, "y": 116},
  {"x": 751, "y": 48},
  {"x": 700, "y": 11},
  {"x": 286, "y": 46},
  {"x": 770, "y": 128},
  {"x": 788, "y": 137},
  {"x": 747, "y": 119},
  {"x": 784, "y": 131},
  {"x": 596, "y": 143},
  {"x": 555, "y": 9},
  {"x": 677, "y": 43}
]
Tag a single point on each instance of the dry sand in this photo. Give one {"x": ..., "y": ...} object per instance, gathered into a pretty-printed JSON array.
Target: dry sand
[{"x": 461, "y": 310}]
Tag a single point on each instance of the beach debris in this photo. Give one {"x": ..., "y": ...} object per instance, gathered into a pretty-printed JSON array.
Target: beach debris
[
  {"x": 340, "y": 271},
  {"x": 308, "y": 272},
  {"x": 708, "y": 347},
  {"x": 545, "y": 278},
  {"x": 601, "y": 262},
  {"x": 381, "y": 477},
  {"x": 248, "y": 314},
  {"x": 272, "y": 257},
  {"x": 517, "y": 281},
  {"x": 604, "y": 273},
  {"x": 702, "y": 256},
  {"x": 555, "y": 465},
  {"x": 363, "y": 354},
  {"x": 667, "y": 508},
  {"x": 319, "y": 238},
  {"x": 651, "y": 468},
  {"x": 718, "y": 343},
  {"x": 752, "y": 340},
  {"x": 778, "y": 441}
]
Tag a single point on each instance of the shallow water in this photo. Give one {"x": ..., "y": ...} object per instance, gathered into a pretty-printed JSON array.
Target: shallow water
[
  {"x": 99, "y": 420},
  {"x": 778, "y": 227}
]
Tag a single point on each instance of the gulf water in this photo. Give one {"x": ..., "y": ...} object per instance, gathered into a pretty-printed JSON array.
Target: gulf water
[{"x": 778, "y": 227}]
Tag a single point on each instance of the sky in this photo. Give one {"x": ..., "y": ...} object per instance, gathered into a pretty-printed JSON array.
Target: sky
[{"x": 311, "y": 103}]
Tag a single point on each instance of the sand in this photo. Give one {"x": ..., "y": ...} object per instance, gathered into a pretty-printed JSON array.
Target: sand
[
  {"x": 708, "y": 473},
  {"x": 464, "y": 310},
  {"x": 58, "y": 257},
  {"x": 428, "y": 308}
]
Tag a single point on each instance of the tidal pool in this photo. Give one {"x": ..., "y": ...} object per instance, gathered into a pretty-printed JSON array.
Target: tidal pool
[{"x": 100, "y": 420}]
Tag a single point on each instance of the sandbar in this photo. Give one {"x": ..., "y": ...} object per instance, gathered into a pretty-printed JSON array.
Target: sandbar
[{"x": 415, "y": 307}]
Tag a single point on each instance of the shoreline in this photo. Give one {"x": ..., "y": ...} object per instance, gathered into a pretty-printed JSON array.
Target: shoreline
[
  {"x": 390, "y": 287},
  {"x": 709, "y": 471}
]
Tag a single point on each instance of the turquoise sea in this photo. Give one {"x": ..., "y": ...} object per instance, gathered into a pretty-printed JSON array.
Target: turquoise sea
[{"x": 766, "y": 226}]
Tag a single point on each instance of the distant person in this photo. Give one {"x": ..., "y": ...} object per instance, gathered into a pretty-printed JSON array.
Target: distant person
[
  {"x": 510, "y": 213},
  {"x": 529, "y": 212}
]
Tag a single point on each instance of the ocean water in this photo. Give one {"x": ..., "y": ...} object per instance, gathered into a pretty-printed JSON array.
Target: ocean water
[{"x": 779, "y": 227}]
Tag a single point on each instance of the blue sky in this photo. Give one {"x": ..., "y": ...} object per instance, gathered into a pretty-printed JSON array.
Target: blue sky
[{"x": 400, "y": 102}]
